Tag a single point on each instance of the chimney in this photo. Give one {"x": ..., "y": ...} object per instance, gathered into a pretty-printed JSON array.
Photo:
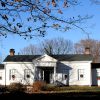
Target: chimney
[
  {"x": 12, "y": 52},
  {"x": 87, "y": 50}
]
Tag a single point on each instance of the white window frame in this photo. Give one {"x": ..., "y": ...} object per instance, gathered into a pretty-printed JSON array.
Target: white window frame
[
  {"x": 81, "y": 74},
  {"x": 98, "y": 74},
  {"x": 11, "y": 73},
  {"x": 27, "y": 72},
  {"x": 0, "y": 75},
  {"x": 65, "y": 74}
]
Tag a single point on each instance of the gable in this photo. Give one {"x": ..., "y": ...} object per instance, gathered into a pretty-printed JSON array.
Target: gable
[{"x": 46, "y": 58}]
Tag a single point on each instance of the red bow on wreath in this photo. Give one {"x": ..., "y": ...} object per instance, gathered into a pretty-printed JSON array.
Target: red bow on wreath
[{"x": 13, "y": 77}]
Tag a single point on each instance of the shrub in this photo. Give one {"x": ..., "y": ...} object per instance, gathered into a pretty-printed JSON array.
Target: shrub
[
  {"x": 38, "y": 86},
  {"x": 2, "y": 88},
  {"x": 15, "y": 87}
]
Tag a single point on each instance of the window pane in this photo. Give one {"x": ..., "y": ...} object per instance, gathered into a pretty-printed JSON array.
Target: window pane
[
  {"x": 27, "y": 73},
  {"x": 0, "y": 75},
  {"x": 12, "y": 74},
  {"x": 80, "y": 74}
]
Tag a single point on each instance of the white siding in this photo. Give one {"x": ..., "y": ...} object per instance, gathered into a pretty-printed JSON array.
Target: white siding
[
  {"x": 70, "y": 69},
  {"x": 20, "y": 67},
  {"x": 73, "y": 72},
  {"x": 2, "y": 75}
]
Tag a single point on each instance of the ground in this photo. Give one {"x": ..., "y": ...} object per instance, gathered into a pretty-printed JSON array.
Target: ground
[
  {"x": 61, "y": 96},
  {"x": 62, "y": 93}
]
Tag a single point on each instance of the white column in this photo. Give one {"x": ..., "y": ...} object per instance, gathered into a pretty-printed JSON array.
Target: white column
[
  {"x": 39, "y": 74},
  {"x": 43, "y": 74},
  {"x": 54, "y": 74}
]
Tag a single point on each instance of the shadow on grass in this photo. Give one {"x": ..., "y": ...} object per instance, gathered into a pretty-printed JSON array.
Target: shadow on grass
[{"x": 80, "y": 95}]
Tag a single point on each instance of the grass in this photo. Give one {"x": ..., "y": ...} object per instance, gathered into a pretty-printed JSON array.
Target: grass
[
  {"x": 64, "y": 92},
  {"x": 73, "y": 89}
]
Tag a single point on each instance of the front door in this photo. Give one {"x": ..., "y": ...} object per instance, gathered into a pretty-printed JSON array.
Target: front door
[{"x": 47, "y": 76}]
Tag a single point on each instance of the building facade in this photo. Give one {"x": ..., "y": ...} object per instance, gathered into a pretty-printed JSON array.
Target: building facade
[{"x": 71, "y": 69}]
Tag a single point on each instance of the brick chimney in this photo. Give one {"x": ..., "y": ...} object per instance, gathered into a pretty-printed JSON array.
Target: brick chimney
[
  {"x": 87, "y": 50},
  {"x": 12, "y": 52}
]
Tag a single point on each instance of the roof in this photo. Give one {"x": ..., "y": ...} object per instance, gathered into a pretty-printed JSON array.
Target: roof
[
  {"x": 1, "y": 66},
  {"x": 20, "y": 58},
  {"x": 68, "y": 57},
  {"x": 95, "y": 65},
  {"x": 73, "y": 57}
]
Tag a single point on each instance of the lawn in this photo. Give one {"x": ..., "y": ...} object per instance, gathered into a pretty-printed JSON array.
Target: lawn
[{"x": 58, "y": 92}]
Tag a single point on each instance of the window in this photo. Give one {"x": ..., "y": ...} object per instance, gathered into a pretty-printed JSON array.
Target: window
[
  {"x": 80, "y": 74},
  {"x": 65, "y": 74},
  {"x": 27, "y": 73},
  {"x": 98, "y": 74},
  {"x": 12, "y": 74},
  {"x": 0, "y": 75}
]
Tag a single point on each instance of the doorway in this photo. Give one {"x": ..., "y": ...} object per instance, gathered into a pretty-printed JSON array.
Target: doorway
[{"x": 47, "y": 76}]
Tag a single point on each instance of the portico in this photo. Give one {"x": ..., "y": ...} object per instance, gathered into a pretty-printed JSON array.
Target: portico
[{"x": 45, "y": 69}]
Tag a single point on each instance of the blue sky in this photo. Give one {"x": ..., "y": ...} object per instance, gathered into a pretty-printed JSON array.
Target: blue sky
[{"x": 93, "y": 26}]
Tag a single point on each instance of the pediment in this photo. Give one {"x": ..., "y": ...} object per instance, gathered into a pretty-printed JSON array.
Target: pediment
[{"x": 46, "y": 58}]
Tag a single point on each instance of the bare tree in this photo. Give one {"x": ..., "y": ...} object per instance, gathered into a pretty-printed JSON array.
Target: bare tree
[
  {"x": 2, "y": 51},
  {"x": 57, "y": 46},
  {"x": 32, "y": 18},
  {"x": 94, "y": 46},
  {"x": 52, "y": 46},
  {"x": 30, "y": 50}
]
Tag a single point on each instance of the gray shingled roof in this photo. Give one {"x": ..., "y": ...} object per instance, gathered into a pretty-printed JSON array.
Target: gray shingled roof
[
  {"x": 29, "y": 58},
  {"x": 73, "y": 57},
  {"x": 1, "y": 66}
]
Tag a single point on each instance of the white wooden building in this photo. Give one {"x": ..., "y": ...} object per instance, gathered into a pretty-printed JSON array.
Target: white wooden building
[{"x": 71, "y": 69}]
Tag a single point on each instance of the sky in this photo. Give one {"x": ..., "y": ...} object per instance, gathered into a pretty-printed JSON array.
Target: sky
[{"x": 92, "y": 26}]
